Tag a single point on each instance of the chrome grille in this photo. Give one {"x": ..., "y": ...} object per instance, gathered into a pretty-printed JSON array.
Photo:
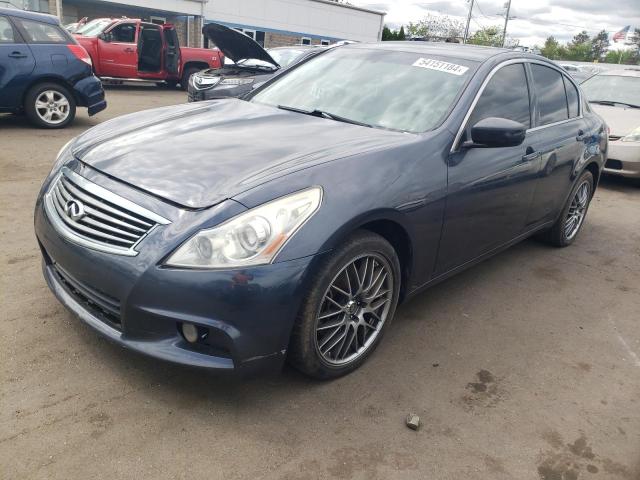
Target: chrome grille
[{"x": 88, "y": 214}]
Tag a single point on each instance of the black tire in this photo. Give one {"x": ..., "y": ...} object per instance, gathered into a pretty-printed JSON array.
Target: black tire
[
  {"x": 304, "y": 353},
  {"x": 60, "y": 92},
  {"x": 184, "y": 80},
  {"x": 557, "y": 234}
]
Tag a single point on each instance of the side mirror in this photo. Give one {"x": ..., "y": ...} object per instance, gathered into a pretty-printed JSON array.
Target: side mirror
[
  {"x": 105, "y": 37},
  {"x": 497, "y": 132}
]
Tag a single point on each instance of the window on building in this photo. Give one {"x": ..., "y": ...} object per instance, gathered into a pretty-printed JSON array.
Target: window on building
[
  {"x": 572, "y": 97},
  {"x": 247, "y": 32},
  {"x": 305, "y": 41},
  {"x": 325, "y": 42},
  {"x": 158, "y": 20},
  {"x": 123, "y": 33},
  {"x": 505, "y": 96},
  {"x": 552, "y": 99},
  {"x": 6, "y": 31},
  {"x": 260, "y": 38},
  {"x": 38, "y": 32}
]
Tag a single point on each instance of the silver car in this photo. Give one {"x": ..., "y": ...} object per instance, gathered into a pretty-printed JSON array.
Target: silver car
[{"x": 615, "y": 95}]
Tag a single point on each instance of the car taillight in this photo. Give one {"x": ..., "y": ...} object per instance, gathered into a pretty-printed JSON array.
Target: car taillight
[{"x": 80, "y": 53}]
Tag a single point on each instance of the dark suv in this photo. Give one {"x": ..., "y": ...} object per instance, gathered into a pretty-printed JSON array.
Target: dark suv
[{"x": 44, "y": 73}]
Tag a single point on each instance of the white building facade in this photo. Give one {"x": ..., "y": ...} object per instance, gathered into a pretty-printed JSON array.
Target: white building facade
[{"x": 269, "y": 22}]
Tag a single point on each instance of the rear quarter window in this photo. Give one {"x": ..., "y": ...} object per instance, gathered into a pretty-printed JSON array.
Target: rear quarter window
[
  {"x": 39, "y": 32},
  {"x": 572, "y": 98},
  {"x": 7, "y": 35}
]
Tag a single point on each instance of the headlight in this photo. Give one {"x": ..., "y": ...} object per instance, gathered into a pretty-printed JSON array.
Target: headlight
[
  {"x": 204, "y": 82},
  {"x": 236, "y": 81},
  {"x": 63, "y": 156},
  {"x": 252, "y": 238},
  {"x": 634, "y": 136}
]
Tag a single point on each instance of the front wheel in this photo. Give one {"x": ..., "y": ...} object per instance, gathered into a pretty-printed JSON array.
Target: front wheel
[
  {"x": 186, "y": 75},
  {"x": 49, "y": 105},
  {"x": 570, "y": 222},
  {"x": 351, "y": 300}
]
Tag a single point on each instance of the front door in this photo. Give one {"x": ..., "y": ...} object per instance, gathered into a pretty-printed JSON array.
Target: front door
[
  {"x": 489, "y": 189},
  {"x": 16, "y": 63},
  {"x": 119, "y": 52},
  {"x": 172, "y": 50}
]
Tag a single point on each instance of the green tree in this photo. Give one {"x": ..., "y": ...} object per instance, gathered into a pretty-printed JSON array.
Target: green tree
[
  {"x": 551, "y": 48},
  {"x": 438, "y": 26},
  {"x": 580, "y": 49},
  {"x": 600, "y": 45},
  {"x": 386, "y": 34},
  {"x": 489, "y": 36},
  {"x": 401, "y": 34}
]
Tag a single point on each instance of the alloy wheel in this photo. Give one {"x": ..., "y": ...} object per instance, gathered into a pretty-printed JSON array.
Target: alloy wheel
[
  {"x": 354, "y": 309},
  {"x": 52, "y": 107},
  {"x": 577, "y": 210}
]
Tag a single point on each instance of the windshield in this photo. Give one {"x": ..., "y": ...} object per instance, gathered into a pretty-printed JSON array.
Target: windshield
[
  {"x": 613, "y": 88},
  {"x": 94, "y": 27},
  {"x": 397, "y": 90},
  {"x": 286, "y": 56}
]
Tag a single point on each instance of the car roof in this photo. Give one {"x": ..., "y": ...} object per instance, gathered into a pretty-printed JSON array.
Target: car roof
[
  {"x": 40, "y": 17},
  {"x": 626, "y": 72},
  {"x": 466, "y": 52}
]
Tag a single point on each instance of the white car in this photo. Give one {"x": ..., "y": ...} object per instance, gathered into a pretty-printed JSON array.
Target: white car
[{"x": 615, "y": 96}]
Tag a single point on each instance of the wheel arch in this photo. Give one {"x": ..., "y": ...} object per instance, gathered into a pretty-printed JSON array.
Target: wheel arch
[
  {"x": 595, "y": 171},
  {"x": 195, "y": 64},
  {"x": 391, "y": 226},
  {"x": 48, "y": 79}
]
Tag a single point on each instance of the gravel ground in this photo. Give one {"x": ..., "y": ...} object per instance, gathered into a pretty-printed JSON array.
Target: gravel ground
[{"x": 524, "y": 367}]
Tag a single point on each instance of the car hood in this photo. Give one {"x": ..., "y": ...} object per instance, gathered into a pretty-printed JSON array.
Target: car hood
[
  {"x": 197, "y": 155},
  {"x": 621, "y": 120},
  {"x": 236, "y": 45}
]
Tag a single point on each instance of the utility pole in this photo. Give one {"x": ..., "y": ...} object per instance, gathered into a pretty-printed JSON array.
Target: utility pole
[
  {"x": 466, "y": 30},
  {"x": 506, "y": 20}
]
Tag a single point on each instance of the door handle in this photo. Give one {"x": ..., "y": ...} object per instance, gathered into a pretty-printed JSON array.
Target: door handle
[
  {"x": 530, "y": 155},
  {"x": 129, "y": 50},
  {"x": 17, "y": 55},
  {"x": 581, "y": 136}
]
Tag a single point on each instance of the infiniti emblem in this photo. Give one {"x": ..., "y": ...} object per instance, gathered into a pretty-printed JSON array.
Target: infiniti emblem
[{"x": 74, "y": 209}]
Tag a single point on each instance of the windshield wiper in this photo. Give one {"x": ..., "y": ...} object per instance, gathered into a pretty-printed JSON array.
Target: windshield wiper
[
  {"x": 613, "y": 103},
  {"x": 323, "y": 114}
]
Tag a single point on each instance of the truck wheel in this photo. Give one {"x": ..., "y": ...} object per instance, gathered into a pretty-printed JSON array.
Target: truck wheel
[
  {"x": 186, "y": 75},
  {"x": 50, "y": 105}
]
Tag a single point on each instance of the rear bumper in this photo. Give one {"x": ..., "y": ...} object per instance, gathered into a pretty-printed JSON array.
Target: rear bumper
[
  {"x": 89, "y": 93},
  {"x": 623, "y": 159}
]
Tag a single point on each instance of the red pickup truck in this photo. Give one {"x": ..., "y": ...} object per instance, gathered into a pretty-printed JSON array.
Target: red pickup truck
[{"x": 127, "y": 48}]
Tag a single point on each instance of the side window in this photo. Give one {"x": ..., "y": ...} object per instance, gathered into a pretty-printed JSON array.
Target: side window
[
  {"x": 123, "y": 33},
  {"x": 572, "y": 97},
  {"x": 505, "y": 96},
  {"x": 552, "y": 99},
  {"x": 6, "y": 31},
  {"x": 38, "y": 32}
]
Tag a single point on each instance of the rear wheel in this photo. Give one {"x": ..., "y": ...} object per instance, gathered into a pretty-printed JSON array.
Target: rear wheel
[
  {"x": 186, "y": 75},
  {"x": 50, "y": 105},
  {"x": 570, "y": 222},
  {"x": 351, "y": 301}
]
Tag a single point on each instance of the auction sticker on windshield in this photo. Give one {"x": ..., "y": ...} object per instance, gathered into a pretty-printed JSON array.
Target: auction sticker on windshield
[{"x": 440, "y": 66}]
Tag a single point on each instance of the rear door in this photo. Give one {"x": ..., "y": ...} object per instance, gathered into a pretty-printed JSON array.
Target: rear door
[
  {"x": 490, "y": 189},
  {"x": 16, "y": 64},
  {"x": 119, "y": 51},
  {"x": 172, "y": 50},
  {"x": 560, "y": 135}
]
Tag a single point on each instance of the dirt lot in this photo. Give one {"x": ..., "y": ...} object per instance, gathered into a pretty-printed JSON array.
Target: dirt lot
[{"x": 524, "y": 367}]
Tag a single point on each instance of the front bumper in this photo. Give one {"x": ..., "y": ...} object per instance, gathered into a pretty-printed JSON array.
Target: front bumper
[
  {"x": 623, "y": 159},
  {"x": 89, "y": 93},
  {"x": 247, "y": 314}
]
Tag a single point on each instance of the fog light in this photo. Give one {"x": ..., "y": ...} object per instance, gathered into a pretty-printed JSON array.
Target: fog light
[{"x": 190, "y": 332}]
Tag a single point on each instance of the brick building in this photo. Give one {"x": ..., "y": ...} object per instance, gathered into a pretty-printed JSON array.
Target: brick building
[{"x": 270, "y": 22}]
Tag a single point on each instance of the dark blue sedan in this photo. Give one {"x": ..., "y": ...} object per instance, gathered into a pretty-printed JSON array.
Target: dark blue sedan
[
  {"x": 44, "y": 72},
  {"x": 235, "y": 234}
]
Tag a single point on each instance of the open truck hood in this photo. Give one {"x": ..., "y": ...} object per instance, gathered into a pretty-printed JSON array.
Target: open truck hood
[
  {"x": 236, "y": 45},
  {"x": 199, "y": 154}
]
